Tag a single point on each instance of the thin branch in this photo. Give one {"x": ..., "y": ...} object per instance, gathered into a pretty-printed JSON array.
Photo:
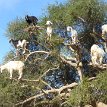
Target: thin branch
[
  {"x": 39, "y": 27},
  {"x": 81, "y": 19},
  {"x": 24, "y": 80},
  {"x": 45, "y": 52},
  {"x": 48, "y": 71},
  {"x": 92, "y": 78},
  {"x": 68, "y": 62},
  {"x": 33, "y": 28},
  {"x": 46, "y": 83}
]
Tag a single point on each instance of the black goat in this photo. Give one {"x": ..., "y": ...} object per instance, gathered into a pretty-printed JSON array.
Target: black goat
[{"x": 31, "y": 20}]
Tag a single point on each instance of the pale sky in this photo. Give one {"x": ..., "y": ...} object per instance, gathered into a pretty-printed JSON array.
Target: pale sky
[{"x": 10, "y": 9}]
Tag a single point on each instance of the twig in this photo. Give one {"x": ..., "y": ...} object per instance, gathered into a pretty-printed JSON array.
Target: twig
[
  {"x": 92, "y": 78},
  {"x": 68, "y": 62},
  {"x": 46, "y": 84},
  {"x": 48, "y": 71},
  {"x": 81, "y": 19},
  {"x": 27, "y": 80},
  {"x": 45, "y": 52}
]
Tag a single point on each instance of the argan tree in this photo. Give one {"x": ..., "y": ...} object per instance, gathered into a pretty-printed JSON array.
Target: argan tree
[{"x": 51, "y": 69}]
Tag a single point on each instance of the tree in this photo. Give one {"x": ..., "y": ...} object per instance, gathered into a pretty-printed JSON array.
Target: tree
[{"x": 50, "y": 68}]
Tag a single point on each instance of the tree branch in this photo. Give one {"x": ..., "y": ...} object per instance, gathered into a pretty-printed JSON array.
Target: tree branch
[
  {"x": 45, "y": 52},
  {"x": 24, "y": 80},
  {"x": 58, "y": 91},
  {"x": 46, "y": 83},
  {"x": 68, "y": 62},
  {"x": 48, "y": 71}
]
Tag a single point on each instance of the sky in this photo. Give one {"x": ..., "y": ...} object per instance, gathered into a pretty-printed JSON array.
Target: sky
[{"x": 11, "y": 9}]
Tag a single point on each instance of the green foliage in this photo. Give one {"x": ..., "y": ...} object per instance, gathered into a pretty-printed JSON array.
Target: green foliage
[
  {"x": 100, "y": 87},
  {"x": 57, "y": 14},
  {"x": 12, "y": 92},
  {"x": 89, "y": 92},
  {"x": 80, "y": 94},
  {"x": 10, "y": 56},
  {"x": 16, "y": 28},
  {"x": 90, "y": 10}
]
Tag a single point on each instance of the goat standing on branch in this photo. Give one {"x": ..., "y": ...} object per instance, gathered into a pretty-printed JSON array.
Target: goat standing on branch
[
  {"x": 19, "y": 44},
  {"x": 74, "y": 35},
  {"x": 104, "y": 35},
  {"x": 13, "y": 65},
  {"x": 31, "y": 20},
  {"x": 49, "y": 29},
  {"x": 97, "y": 55}
]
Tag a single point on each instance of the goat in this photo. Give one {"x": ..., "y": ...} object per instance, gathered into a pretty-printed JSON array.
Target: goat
[
  {"x": 74, "y": 35},
  {"x": 104, "y": 35},
  {"x": 49, "y": 29},
  {"x": 97, "y": 54},
  {"x": 13, "y": 65},
  {"x": 31, "y": 20},
  {"x": 19, "y": 44},
  {"x": 22, "y": 44},
  {"x": 104, "y": 29},
  {"x": 101, "y": 104}
]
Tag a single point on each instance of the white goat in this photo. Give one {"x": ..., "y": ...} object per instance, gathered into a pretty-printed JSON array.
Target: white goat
[
  {"x": 101, "y": 104},
  {"x": 49, "y": 29},
  {"x": 104, "y": 29},
  {"x": 13, "y": 65},
  {"x": 22, "y": 44},
  {"x": 97, "y": 55},
  {"x": 74, "y": 35},
  {"x": 104, "y": 35}
]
